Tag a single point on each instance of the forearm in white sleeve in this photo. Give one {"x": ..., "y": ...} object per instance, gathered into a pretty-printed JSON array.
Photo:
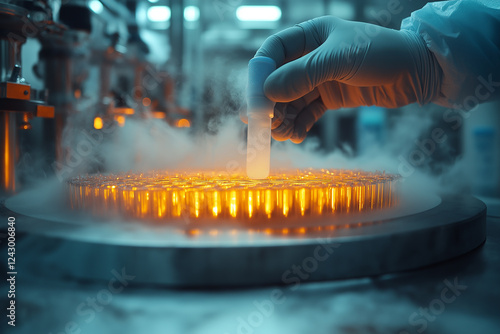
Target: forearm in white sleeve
[{"x": 464, "y": 36}]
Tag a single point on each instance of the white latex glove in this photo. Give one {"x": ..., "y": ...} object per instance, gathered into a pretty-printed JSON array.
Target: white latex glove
[{"x": 330, "y": 63}]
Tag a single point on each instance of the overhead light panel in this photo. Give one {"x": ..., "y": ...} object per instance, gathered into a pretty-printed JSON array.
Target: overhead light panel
[
  {"x": 96, "y": 6},
  {"x": 191, "y": 13},
  {"x": 258, "y": 13},
  {"x": 159, "y": 13}
]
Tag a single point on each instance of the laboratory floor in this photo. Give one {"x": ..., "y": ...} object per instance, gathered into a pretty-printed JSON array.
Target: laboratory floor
[{"x": 458, "y": 296}]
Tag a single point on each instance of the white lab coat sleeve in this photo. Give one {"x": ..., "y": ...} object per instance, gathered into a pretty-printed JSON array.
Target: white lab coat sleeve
[{"x": 464, "y": 36}]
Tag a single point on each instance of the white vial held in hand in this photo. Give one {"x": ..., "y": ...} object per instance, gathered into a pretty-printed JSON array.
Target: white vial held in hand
[{"x": 260, "y": 111}]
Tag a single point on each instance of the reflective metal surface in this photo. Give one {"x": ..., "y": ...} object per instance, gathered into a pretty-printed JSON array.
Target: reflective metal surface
[
  {"x": 10, "y": 55},
  {"x": 18, "y": 102},
  {"x": 450, "y": 229}
]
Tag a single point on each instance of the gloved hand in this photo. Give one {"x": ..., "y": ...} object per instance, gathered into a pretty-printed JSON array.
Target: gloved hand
[{"x": 330, "y": 63}]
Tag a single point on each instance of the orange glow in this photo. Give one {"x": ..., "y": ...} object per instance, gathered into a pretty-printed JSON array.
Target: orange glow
[
  {"x": 215, "y": 205},
  {"x": 8, "y": 178},
  {"x": 302, "y": 201},
  {"x": 219, "y": 197},
  {"x": 78, "y": 94},
  {"x": 120, "y": 120},
  {"x": 146, "y": 101},
  {"x": 158, "y": 114},
  {"x": 183, "y": 123},
  {"x": 98, "y": 123},
  {"x": 233, "y": 209},
  {"x": 194, "y": 232},
  {"x": 250, "y": 204},
  {"x": 45, "y": 111},
  {"x": 123, "y": 111},
  {"x": 196, "y": 204}
]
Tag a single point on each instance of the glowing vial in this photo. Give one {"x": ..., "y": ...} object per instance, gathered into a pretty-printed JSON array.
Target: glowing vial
[{"x": 260, "y": 111}]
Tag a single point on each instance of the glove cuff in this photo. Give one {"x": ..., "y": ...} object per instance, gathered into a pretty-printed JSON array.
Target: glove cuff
[{"x": 428, "y": 76}]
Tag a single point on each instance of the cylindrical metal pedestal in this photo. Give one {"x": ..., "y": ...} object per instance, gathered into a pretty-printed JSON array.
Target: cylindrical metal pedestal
[{"x": 156, "y": 255}]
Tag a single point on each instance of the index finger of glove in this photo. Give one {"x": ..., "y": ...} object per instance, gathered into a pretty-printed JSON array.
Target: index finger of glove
[
  {"x": 293, "y": 43},
  {"x": 285, "y": 46}
]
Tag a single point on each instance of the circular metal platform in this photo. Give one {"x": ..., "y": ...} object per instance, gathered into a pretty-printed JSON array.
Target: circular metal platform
[{"x": 65, "y": 246}]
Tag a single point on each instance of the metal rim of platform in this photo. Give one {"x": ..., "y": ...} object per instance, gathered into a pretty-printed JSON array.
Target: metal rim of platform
[{"x": 454, "y": 227}]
